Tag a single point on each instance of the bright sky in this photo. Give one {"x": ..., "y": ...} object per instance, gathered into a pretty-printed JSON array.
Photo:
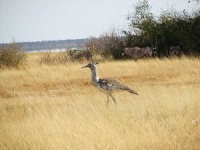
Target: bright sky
[{"x": 36, "y": 20}]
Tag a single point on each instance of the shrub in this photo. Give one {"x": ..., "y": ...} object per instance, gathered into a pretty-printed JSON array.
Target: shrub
[
  {"x": 54, "y": 58},
  {"x": 12, "y": 55},
  {"x": 109, "y": 45},
  {"x": 64, "y": 57}
]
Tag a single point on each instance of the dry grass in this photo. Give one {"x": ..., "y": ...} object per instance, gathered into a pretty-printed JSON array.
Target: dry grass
[{"x": 55, "y": 107}]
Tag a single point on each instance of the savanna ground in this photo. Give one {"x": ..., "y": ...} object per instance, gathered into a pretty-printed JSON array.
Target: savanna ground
[{"x": 55, "y": 106}]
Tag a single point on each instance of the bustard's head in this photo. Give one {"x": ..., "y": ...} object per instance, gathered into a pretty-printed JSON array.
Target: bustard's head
[{"x": 91, "y": 65}]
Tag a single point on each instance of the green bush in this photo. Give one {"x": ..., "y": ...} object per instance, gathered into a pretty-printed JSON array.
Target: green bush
[{"x": 12, "y": 55}]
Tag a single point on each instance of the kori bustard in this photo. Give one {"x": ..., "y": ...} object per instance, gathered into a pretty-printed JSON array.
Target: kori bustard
[{"x": 107, "y": 85}]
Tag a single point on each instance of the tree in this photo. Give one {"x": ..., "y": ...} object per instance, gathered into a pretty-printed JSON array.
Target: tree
[
  {"x": 171, "y": 28},
  {"x": 142, "y": 22}
]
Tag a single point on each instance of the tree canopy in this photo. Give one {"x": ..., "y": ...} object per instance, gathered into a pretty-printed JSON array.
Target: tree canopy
[{"x": 171, "y": 28}]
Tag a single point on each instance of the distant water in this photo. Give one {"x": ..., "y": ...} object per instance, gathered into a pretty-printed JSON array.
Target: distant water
[{"x": 51, "y": 50}]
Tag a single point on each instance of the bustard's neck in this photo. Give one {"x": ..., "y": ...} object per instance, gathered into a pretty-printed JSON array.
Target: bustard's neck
[{"x": 95, "y": 77}]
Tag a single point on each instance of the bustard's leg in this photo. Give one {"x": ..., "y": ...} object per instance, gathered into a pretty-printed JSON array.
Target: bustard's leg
[
  {"x": 113, "y": 99},
  {"x": 107, "y": 100}
]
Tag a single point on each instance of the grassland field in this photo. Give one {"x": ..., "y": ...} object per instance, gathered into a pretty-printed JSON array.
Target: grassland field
[{"x": 55, "y": 107}]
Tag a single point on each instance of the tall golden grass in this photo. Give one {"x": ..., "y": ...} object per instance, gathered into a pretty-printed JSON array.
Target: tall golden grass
[{"x": 56, "y": 107}]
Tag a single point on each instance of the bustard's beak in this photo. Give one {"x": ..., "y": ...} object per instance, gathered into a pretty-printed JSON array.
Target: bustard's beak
[
  {"x": 85, "y": 66},
  {"x": 90, "y": 64}
]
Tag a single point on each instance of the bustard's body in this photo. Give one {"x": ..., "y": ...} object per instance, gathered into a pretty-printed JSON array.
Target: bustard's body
[{"x": 107, "y": 85}]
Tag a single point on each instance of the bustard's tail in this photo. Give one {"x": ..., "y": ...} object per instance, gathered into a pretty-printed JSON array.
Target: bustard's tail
[
  {"x": 132, "y": 91},
  {"x": 117, "y": 85}
]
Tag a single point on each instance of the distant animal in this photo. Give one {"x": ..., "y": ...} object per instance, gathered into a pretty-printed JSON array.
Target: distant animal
[
  {"x": 174, "y": 51},
  {"x": 80, "y": 54},
  {"x": 107, "y": 85},
  {"x": 136, "y": 52},
  {"x": 2, "y": 66}
]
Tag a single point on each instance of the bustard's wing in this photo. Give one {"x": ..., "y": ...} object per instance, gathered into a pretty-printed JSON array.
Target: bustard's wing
[{"x": 111, "y": 84}]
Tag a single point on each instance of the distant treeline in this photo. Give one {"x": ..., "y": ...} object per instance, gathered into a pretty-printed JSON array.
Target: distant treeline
[{"x": 48, "y": 45}]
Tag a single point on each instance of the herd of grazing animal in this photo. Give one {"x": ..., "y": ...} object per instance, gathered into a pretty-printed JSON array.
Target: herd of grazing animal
[
  {"x": 132, "y": 52},
  {"x": 137, "y": 52}
]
